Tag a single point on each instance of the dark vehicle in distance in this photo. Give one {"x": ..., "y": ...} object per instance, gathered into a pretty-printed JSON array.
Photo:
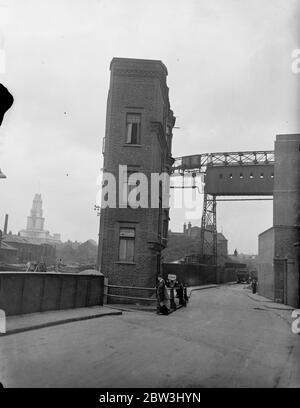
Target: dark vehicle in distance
[{"x": 242, "y": 276}]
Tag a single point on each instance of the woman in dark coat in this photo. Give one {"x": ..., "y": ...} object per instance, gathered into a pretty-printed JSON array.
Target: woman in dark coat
[{"x": 162, "y": 297}]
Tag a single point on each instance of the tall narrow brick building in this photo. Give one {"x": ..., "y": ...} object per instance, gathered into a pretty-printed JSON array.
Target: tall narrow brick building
[{"x": 139, "y": 125}]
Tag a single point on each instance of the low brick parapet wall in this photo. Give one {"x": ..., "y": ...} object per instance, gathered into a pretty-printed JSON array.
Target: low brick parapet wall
[
  {"x": 199, "y": 274},
  {"x": 191, "y": 274},
  {"x": 26, "y": 292}
]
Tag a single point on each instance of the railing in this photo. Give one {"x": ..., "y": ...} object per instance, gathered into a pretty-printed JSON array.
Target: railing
[
  {"x": 129, "y": 288},
  {"x": 175, "y": 302}
]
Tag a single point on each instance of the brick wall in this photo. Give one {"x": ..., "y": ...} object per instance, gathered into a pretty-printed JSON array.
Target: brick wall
[
  {"x": 136, "y": 86},
  {"x": 265, "y": 264},
  {"x": 191, "y": 274},
  {"x": 22, "y": 293},
  {"x": 287, "y": 211}
]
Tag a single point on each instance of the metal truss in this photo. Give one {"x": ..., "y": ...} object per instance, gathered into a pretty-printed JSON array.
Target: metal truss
[
  {"x": 209, "y": 230},
  {"x": 198, "y": 163}
]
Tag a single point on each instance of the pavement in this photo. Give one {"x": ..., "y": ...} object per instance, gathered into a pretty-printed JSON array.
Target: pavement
[
  {"x": 34, "y": 321},
  {"x": 223, "y": 338},
  {"x": 152, "y": 307},
  {"x": 191, "y": 289},
  {"x": 125, "y": 307},
  {"x": 269, "y": 303},
  {"x": 201, "y": 287}
]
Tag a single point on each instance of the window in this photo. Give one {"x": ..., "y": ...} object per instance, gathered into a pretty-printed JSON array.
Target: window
[
  {"x": 127, "y": 187},
  {"x": 133, "y": 128},
  {"x": 126, "y": 244},
  {"x": 132, "y": 184}
]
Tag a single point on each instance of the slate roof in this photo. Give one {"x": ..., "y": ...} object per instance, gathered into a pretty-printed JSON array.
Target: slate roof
[{"x": 5, "y": 246}]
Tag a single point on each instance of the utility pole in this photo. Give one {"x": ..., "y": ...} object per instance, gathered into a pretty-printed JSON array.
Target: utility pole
[
  {"x": 98, "y": 209},
  {"x": 2, "y": 176}
]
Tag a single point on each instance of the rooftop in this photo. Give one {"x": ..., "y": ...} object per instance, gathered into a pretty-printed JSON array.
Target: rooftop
[
  {"x": 146, "y": 64},
  {"x": 12, "y": 238}
]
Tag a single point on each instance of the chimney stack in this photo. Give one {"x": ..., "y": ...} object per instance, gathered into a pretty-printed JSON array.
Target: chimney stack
[{"x": 5, "y": 225}]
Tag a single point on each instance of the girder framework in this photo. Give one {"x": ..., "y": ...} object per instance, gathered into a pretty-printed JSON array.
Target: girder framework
[
  {"x": 198, "y": 164},
  {"x": 208, "y": 248}
]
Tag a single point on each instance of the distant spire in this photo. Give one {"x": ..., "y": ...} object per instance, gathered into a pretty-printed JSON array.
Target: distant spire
[{"x": 36, "y": 221}]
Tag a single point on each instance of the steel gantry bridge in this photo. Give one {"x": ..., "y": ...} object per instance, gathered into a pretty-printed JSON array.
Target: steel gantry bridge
[{"x": 228, "y": 174}]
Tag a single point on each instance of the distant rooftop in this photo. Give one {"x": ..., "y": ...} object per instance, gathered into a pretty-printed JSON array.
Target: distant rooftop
[{"x": 12, "y": 238}]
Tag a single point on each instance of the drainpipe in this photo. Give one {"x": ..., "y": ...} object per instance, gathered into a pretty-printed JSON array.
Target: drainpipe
[
  {"x": 5, "y": 225},
  {"x": 297, "y": 245}
]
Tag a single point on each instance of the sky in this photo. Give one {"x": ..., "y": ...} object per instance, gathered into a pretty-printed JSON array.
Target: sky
[{"x": 231, "y": 88}]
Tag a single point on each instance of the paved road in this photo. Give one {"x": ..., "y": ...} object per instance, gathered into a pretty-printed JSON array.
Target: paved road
[{"x": 222, "y": 339}]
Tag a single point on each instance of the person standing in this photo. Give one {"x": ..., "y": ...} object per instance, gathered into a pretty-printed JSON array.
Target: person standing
[
  {"x": 162, "y": 297},
  {"x": 254, "y": 285}
]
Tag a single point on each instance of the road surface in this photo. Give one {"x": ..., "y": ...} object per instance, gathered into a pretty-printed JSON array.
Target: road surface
[{"x": 224, "y": 338}]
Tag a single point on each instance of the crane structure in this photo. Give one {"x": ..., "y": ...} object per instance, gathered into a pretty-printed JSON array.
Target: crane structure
[{"x": 228, "y": 174}]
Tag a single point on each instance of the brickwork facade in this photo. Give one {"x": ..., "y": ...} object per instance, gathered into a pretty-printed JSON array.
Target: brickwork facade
[
  {"x": 279, "y": 255},
  {"x": 137, "y": 107},
  {"x": 265, "y": 263}
]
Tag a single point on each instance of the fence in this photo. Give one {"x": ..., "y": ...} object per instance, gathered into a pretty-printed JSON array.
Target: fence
[
  {"x": 117, "y": 298},
  {"x": 129, "y": 294},
  {"x": 26, "y": 292}
]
